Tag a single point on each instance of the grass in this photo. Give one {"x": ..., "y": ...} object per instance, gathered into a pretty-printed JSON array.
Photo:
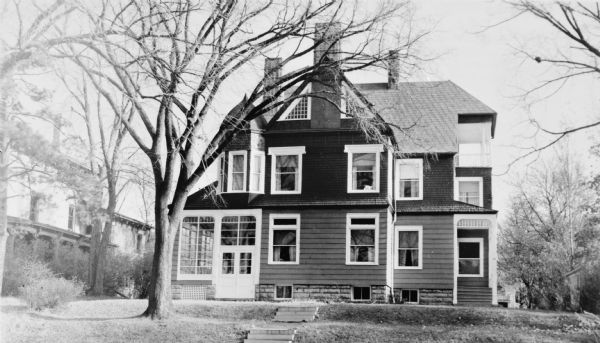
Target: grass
[{"x": 112, "y": 320}]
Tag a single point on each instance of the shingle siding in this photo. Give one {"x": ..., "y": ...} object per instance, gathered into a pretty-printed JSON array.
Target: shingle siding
[
  {"x": 438, "y": 182},
  {"x": 486, "y": 174}
]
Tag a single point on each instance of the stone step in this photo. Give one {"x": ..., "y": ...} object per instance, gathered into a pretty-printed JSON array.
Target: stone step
[
  {"x": 274, "y": 335},
  {"x": 297, "y": 309},
  {"x": 296, "y": 314}
]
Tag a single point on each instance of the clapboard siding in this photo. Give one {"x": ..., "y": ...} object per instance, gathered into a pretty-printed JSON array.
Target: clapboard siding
[
  {"x": 323, "y": 251},
  {"x": 438, "y": 254},
  {"x": 477, "y": 281}
]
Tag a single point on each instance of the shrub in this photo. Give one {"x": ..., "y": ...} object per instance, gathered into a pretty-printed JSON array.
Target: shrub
[
  {"x": 72, "y": 263},
  {"x": 127, "y": 274},
  {"x": 51, "y": 292},
  {"x": 590, "y": 288}
]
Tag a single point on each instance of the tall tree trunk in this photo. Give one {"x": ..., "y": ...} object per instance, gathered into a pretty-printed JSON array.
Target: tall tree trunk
[
  {"x": 94, "y": 245},
  {"x": 3, "y": 181},
  {"x": 98, "y": 285},
  {"x": 160, "y": 301}
]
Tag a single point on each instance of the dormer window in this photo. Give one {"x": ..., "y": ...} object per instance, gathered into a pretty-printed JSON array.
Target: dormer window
[
  {"x": 286, "y": 169},
  {"x": 236, "y": 175},
  {"x": 299, "y": 108},
  {"x": 363, "y": 167}
]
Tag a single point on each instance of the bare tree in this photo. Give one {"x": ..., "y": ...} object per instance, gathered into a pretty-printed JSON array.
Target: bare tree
[
  {"x": 578, "y": 25},
  {"x": 23, "y": 50},
  {"x": 188, "y": 52}
]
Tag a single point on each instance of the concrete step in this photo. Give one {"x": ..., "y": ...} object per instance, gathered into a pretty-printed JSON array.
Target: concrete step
[
  {"x": 275, "y": 335},
  {"x": 297, "y": 308},
  {"x": 296, "y": 314}
]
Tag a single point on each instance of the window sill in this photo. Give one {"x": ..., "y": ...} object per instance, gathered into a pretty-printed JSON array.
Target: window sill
[
  {"x": 470, "y": 275},
  {"x": 408, "y": 268},
  {"x": 362, "y": 263},
  {"x": 284, "y": 193},
  {"x": 409, "y": 199},
  {"x": 360, "y": 191},
  {"x": 284, "y": 263}
]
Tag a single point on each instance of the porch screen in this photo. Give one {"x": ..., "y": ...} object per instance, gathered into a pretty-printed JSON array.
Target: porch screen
[
  {"x": 196, "y": 245},
  {"x": 238, "y": 230}
]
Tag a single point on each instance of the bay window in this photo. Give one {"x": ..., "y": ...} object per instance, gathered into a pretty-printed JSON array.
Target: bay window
[
  {"x": 257, "y": 172},
  {"x": 236, "y": 171}
]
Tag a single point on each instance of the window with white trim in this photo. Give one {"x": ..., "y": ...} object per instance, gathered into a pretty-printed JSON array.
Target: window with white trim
[
  {"x": 236, "y": 175},
  {"x": 283, "y": 292},
  {"x": 470, "y": 257},
  {"x": 286, "y": 169},
  {"x": 257, "y": 172},
  {"x": 284, "y": 239},
  {"x": 196, "y": 241},
  {"x": 361, "y": 238},
  {"x": 409, "y": 247},
  {"x": 469, "y": 190},
  {"x": 409, "y": 179},
  {"x": 363, "y": 167},
  {"x": 238, "y": 230}
]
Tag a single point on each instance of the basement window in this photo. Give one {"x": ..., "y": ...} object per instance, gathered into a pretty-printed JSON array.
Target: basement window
[
  {"x": 361, "y": 293},
  {"x": 410, "y": 296},
  {"x": 283, "y": 292}
]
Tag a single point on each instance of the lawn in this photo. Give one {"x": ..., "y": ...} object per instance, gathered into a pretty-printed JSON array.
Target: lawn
[{"x": 114, "y": 320}]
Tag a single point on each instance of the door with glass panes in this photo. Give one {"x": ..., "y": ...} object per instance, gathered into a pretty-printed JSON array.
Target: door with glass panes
[{"x": 236, "y": 269}]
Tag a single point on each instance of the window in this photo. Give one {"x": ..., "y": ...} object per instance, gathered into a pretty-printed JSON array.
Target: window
[
  {"x": 284, "y": 236},
  {"x": 409, "y": 184},
  {"x": 286, "y": 169},
  {"x": 299, "y": 108},
  {"x": 409, "y": 250},
  {"x": 470, "y": 257},
  {"x": 363, "y": 167},
  {"x": 228, "y": 263},
  {"x": 410, "y": 296},
  {"x": 238, "y": 230},
  {"x": 237, "y": 171},
  {"x": 361, "y": 238},
  {"x": 196, "y": 239},
  {"x": 283, "y": 292},
  {"x": 361, "y": 293},
  {"x": 34, "y": 207},
  {"x": 71, "y": 218},
  {"x": 257, "y": 172},
  {"x": 222, "y": 175},
  {"x": 246, "y": 263},
  {"x": 469, "y": 190}
]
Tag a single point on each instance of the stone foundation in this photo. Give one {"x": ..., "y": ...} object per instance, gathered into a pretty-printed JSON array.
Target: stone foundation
[
  {"x": 193, "y": 292},
  {"x": 330, "y": 293},
  {"x": 428, "y": 296}
]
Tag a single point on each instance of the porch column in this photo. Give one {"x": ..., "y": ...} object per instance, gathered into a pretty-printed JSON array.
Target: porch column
[{"x": 493, "y": 259}]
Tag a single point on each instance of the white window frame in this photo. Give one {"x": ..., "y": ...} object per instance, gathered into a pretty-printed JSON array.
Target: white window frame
[
  {"x": 404, "y": 228},
  {"x": 304, "y": 93},
  {"x": 261, "y": 184},
  {"x": 230, "y": 171},
  {"x": 457, "y": 181},
  {"x": 481, "y": 255},
  {"x": 350, "y": 227},
  {"x": 376, "y": 149},
  {"x": 291, "y": 294},
  {"x": 284, "y": 151},
  {"x": 183, "y": 276},
  {"x": 273, "y": 228},
  {"x": 417, "y": 161}
]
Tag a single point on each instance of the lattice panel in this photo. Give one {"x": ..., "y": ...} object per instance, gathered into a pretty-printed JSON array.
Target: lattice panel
[{"x": 193, "y": 292}]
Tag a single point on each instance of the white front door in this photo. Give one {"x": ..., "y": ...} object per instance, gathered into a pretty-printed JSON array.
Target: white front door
[
  {"x": 238, "y": 258},
  {"x": 237, "y": 271}
]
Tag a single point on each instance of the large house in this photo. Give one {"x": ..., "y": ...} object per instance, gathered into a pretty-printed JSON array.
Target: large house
[{"x": 312, "y": 208}]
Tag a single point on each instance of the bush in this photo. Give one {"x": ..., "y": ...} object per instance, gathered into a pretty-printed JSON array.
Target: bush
[
  {"x": 127, "y": 275},
  {"x": 42, "y": 289},
  {"x": 590, "y": 288},
  {"x": 51, "y": 292},
  {"x": 72, "y": 263}
]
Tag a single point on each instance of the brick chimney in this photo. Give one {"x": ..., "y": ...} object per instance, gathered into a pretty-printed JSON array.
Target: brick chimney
[
  {"x": 272, "y": 72},
  {"x": 324, "y": 114},
  {"x": 393, "y": 70}
]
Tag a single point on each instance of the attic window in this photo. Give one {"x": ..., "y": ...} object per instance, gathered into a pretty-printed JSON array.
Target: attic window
[{"x": 300, "y": 111}]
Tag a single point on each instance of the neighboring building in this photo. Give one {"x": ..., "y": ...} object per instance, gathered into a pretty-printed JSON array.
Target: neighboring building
[
  {"x": 50, "y": 214},
  {"x": 315, "y": 210}
]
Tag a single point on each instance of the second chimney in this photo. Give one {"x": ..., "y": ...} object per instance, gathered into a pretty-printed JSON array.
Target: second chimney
[
  {"x": 272, "y": 73},
  {"x": 393, "y": 70},
  {"x": 328, "y": 34}
]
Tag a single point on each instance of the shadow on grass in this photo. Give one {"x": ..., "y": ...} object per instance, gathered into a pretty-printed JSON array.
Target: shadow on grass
[
  {"x": 78, "y": 319},
  {"x": 13, "y": 308}
]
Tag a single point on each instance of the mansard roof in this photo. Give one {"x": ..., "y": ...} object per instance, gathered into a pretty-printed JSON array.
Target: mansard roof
[{"x": 424, "y": 115}]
